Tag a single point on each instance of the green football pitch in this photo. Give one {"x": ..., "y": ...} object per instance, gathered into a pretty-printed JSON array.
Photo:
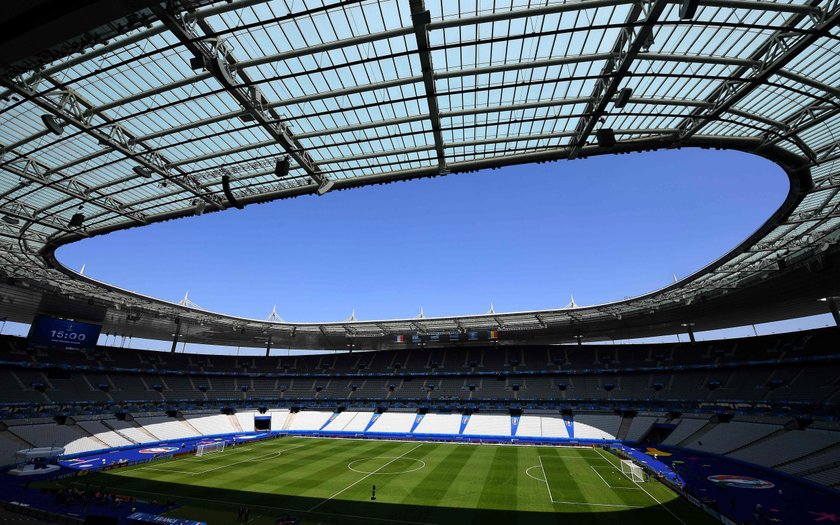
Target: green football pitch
[{"x": 331, "y": 481}]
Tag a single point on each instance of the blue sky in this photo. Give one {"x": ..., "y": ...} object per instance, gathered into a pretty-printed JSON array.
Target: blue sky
[{"x": 523, "y": 237}]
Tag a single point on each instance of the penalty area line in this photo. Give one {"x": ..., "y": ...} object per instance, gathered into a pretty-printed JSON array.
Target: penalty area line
[
  {"x": 545, "y": 476},
  {"x": 607, "y": 483},
  {"x": 586, "y": 503},
  {"x": 649, "y": 494},
  {"x": 276, "y": 453}
]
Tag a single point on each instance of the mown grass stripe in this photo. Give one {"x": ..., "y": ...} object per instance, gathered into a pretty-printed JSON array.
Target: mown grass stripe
[{"x": 460, "y": 484}]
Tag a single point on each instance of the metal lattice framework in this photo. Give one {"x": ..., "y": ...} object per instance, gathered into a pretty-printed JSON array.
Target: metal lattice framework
[{"x": 161, "y": 118}]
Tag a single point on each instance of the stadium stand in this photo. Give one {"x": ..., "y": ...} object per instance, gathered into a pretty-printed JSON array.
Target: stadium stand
[
  {"x": 97, "y": 428},
  {"x": 393, "y": 422},
  {"x": 726, "y": 437},
  {"x": 530, "y": 426},
  {"x": 488, "y": 425},
  {"x": 786, "y": 447},
  {"x": 245, "y": 420},
  {"x": 639, "y": 426},
  {"x": 685, "y": 428},
  {"x": 209, "y": 425},
  {"x": 308, "y": 420},
  {"x": 163, "y": 99},
  {"x": 597, "y": 426},
  {"x": 439, "y": 424},
  {"x": 544, "y": 380},
  {"x": 165, "y": 428}
]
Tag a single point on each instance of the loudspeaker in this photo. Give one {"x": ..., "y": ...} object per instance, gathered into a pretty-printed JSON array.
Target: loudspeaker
[
  {"x": 281, "y": 168},
  {"x": 76, "y": 220},
  {"x": 623, "y": 97},
  {"x": 606, "y": 137}
]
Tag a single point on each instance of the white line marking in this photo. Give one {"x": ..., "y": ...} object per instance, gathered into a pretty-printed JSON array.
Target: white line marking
[
  {"x": 210, "y": 457},
  {"x": 600, "y": 476},
  {"x": 528, "y": 473},
  {"x": 545, "y": 475},
  {"x": 597, "y": 504},
  {"x": 364, "y": 478},
  {"x": 276, "y": 453},
  {"x": 607, "y": 483},
  {"x": 167, "y": 470},
  {"x": 649, "y": 494},
  {"x": 407, "y": 471}
]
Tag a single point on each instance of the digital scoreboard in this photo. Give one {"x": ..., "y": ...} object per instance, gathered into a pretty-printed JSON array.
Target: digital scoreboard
[
  {"x": 262, "y": 423},
  {"x": 53, "y": 333}
]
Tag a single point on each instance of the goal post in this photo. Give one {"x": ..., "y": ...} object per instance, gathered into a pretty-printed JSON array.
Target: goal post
[
  {"x": 633, "y": 471},
  {"x": 209, "y": 448}
]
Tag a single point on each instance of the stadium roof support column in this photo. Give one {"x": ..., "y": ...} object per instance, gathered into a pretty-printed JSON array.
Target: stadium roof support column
[
  {"x": 835, "y": 313},
  {"x": 631, "y": 40},
  {"x": 420, "y": 18},
  {"x": 175, "y": 336},
  {"x": 689, "y": 328},
  {"x": 217, "y": 56}
]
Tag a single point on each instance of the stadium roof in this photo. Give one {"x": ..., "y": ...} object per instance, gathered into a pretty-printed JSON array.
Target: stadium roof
[{"x": 123, "y": 117}]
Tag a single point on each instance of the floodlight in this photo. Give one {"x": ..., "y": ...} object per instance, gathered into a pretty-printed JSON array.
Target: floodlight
[
  {"x": 623, "y": 97},
  {"x": 281, "y": 168},
  {"x": 8, "y": 219},
  {"x": 53, "y": 124},
  {"x": 142, "y": 171},
  {"x": 325, "y": 187}
]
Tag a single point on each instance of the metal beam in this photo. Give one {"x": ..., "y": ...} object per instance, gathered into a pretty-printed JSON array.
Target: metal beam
[
  {"x": 420, "y": 18},
  {"x": 580, "y": 5},
  {"x": 216, "y": 54},
  {"x": 72, "y": 108},
  {"x": 779, "y": 50},
  {"x": 631, "y": 40}
]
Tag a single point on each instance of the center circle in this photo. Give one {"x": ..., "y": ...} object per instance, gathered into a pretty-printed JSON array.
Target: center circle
[{"x": 390, "y": 465}]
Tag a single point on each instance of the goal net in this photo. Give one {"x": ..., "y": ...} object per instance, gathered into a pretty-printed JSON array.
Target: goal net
[
  {"x": 209, "y": 448},
  {"x": 632, "y": 471}
]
